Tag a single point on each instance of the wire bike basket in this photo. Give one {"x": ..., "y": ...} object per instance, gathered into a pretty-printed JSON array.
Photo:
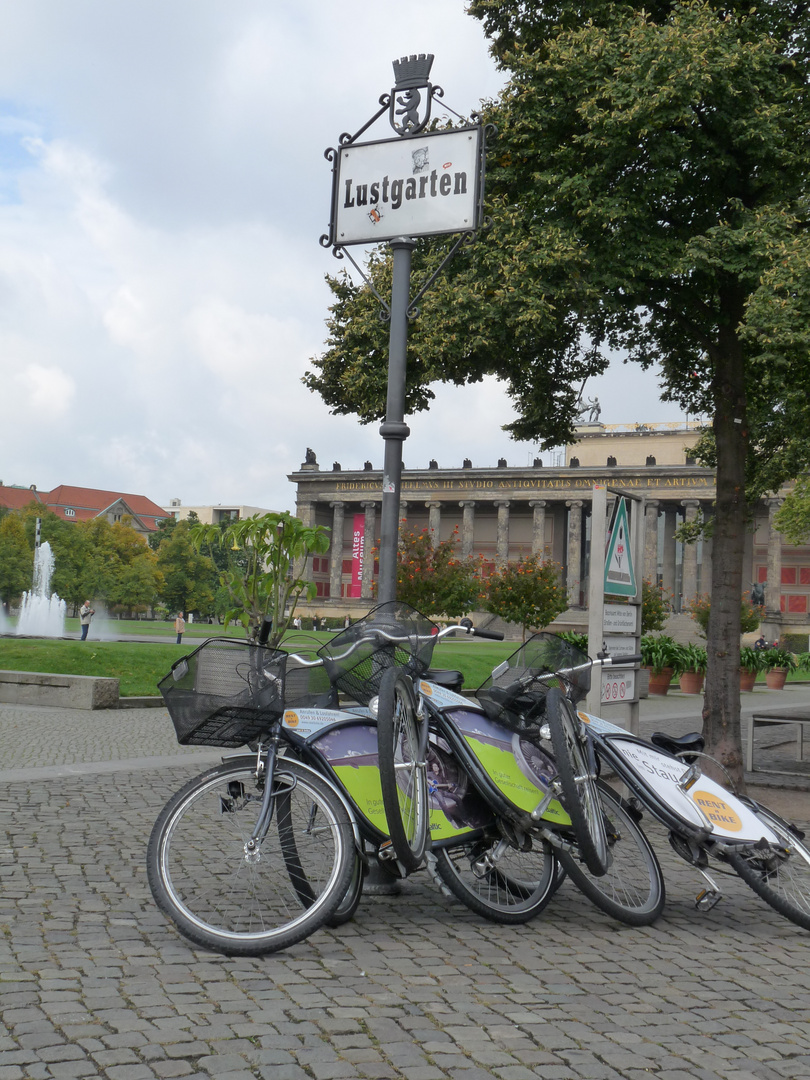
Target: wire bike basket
[
  {"x": 391, "y": 635},
  {"x": 514, "y": 695},
  {"x": 226, "y": 693}
]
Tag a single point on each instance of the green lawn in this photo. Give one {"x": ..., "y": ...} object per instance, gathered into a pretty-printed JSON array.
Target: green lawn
[{"x": 139, "y": 665}]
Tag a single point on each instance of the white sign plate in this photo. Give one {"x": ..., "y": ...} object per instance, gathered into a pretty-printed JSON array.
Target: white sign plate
[
  {"x": 620, "y": 618},
  {"x": 416, "y": 186},
  {"x": 621, "y": 644},
  {"x": 618, "y": 686}
]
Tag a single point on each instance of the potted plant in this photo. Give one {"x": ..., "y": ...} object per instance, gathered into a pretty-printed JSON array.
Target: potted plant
[
  {"x": 777, "y": 663},
  {"x": 694, "y": 660},
  {"x": 662, "y": 655},
  {"x": 751, "y": 663}
]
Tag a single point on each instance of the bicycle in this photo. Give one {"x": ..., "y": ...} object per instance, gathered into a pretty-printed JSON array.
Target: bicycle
[
  {"x": 501, "y": 741},
  {"x": 705, "y": 821}
]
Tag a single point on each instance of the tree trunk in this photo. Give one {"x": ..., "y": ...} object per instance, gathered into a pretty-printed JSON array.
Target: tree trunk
[{"x": 721, "y": 705}]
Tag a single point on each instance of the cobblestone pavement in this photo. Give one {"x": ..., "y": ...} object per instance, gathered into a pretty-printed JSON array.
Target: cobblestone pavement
[{"x": 95, "y": 982}]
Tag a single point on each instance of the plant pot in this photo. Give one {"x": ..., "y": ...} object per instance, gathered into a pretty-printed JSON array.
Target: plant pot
[
  {"x": 691, "y": 682},
  {"x": 747, "y": 679},
  {"x": 660, "y": 680},
  {"x": 775, "y": 678}
]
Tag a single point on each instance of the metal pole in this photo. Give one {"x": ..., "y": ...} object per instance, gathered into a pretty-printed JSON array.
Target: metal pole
[
  {"x": 596, "y": 591},
  {"x": 393, "y": 429}
]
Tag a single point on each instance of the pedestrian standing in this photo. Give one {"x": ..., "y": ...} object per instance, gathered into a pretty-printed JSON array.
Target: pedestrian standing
[
  {"x": 180, "y": 626},
  {"x": 86, "y": 613}
]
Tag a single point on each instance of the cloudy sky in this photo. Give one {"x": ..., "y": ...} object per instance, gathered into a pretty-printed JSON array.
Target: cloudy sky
[{"x": 163, "y": 188}]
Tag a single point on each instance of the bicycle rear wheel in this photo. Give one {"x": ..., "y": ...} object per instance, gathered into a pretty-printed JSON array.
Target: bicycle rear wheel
[
  {"x": 402, "y": 746},
  {"x": 577, "y": 776},
  {"x": 510, "y": 889},
  {"x": 779, "y": 875},
  {"x": 632, "y": 890},
  {"x": 224, "y": 898}
]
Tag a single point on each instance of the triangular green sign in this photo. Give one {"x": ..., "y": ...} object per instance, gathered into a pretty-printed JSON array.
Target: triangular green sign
[{"x": 620, "y": 578}]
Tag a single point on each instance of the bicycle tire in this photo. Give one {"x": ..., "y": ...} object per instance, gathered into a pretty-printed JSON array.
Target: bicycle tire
[
  {"x": 224, "y": 900},
  {"x": 576, "y": 776},
  {"x": 632, "y": 890},
  {"x": 403, "y": 778},
  {"x": 347, "y": 907},
  {"x": 515, "y": 891},
  {"x": 781, "y": 879}
]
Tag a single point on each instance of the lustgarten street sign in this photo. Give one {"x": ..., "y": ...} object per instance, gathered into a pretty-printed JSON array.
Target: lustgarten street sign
[{"x": 417, "y": 186}]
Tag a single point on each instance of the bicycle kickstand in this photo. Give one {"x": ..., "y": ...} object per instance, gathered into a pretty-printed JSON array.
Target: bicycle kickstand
[{"x": 707, "y": 898}]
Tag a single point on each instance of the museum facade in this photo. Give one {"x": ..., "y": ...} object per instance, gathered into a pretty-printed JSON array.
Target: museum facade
[{"x": 505, "y": 513}]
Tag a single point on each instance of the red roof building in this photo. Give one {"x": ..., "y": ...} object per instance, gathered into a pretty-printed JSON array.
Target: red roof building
[{"x": 84, "y": 504}]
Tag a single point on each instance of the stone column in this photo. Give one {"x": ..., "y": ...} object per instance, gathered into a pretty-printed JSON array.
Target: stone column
[
  {"x": 538, "y": 527},
  {"x": 368, "y": 549},
  {"x": 691, "y": 507},
  {"x": 668, "y": 565},
  {"x": 773, "y": 582},
  {"x": 502, "y": 556},
  {"x": 467, "y": 528},
  {"x": 336, "y": 556},
  {"x": 302, "y": 567},
  {"x": 651, "y": 541},
  {"x": 573, "y": 582},
  {"x": 434, "y": 522}
]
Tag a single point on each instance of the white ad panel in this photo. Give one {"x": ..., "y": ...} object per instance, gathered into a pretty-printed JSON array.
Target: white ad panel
[
  {"x": 621, "y": 644},
  {"x": 416, "y": 186}
]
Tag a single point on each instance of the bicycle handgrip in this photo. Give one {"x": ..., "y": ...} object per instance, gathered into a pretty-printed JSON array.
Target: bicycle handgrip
[
  {"x": 266, "y": 627},
  {"x": 495, "y": 635},
  {"x": 621, "y": 661}
]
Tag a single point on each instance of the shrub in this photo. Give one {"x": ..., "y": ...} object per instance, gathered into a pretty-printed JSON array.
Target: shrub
[{"x": 700, "y": 607}]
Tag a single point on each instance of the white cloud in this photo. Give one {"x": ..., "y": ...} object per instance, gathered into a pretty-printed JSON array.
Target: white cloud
[
  {"x": 165, "y": 188},
  {"x": 49, "y": 392}
]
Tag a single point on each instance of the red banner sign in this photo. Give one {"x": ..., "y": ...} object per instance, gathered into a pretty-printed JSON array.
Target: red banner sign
[{"x": 358, "y": 545}]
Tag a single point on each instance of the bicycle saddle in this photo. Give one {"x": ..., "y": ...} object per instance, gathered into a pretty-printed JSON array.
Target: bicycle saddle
[
  {"x": 679, "y": 744},
  {"x": 446, "y": 677}
]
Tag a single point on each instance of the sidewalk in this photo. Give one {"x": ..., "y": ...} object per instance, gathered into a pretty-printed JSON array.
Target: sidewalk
[{"x": 96, "y": 983}]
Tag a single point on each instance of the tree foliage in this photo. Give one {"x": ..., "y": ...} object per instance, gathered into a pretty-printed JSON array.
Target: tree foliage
[
  {"x": 189, "y": 578},
  {"x": 435, "y": 579},
  {"x": 16, "y": 559},
  {"x": 648, "y": 192},
  {"x": 529, "y": 592},
  {"x": 267, "y": 581}
]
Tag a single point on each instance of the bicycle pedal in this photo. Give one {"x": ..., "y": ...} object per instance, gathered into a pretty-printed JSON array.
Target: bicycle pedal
[{"x": 706, "y": 899}]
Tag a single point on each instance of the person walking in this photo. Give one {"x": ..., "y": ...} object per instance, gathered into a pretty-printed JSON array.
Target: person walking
[
  {"x": 180, "y": 626},
  {"x": 86, "y": 613}
]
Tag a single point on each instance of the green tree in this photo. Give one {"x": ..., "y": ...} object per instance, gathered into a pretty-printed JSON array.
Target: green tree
[
  {"x": 529, "y": 592},
  {"x": 16, "y": 558},
  {"x": 648, "y": 193},
  {"x": 435, "y": 579},
  {"x": 792, "y": 519},
  {"x": 189, "y": 578},
  {"x": 269, "y": 579}
]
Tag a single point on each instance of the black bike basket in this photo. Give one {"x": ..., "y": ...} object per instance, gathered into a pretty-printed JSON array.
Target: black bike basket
[
  {"x": 391, "y": 635},
  {"x": 514, "y": 696},
  {"x": 226, "y": 693}
]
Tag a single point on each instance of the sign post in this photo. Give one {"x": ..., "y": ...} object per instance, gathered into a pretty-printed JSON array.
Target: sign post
[
  {"x": 615, "y": 628},
  {"x": 418, "y": 184}
]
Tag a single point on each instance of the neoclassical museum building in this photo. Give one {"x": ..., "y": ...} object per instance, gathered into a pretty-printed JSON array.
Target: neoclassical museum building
[{"x": 505, "y": 512}]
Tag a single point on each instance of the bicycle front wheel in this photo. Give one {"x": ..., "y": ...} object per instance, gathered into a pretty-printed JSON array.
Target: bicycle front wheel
[
  {"x": 233, "y": 900},
  {"x": 498, "y": 881},
  {"x": 632, "y": 890},
  {"x": 403, "y": 775},
  {"x": 577, "y": 778},
  {"x": 780, "y": 875}
]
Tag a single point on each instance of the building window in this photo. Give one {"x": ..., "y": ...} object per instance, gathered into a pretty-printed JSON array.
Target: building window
[
  {"x": 788, "y": 575},
  {"x": 69, "y": 512}
]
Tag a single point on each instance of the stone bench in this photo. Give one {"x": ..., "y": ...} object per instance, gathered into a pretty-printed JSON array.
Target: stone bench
[{"x": 58, "y": 691}]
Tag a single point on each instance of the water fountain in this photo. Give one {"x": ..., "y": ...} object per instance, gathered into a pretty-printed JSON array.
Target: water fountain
[{"x": 42, "y": 613}]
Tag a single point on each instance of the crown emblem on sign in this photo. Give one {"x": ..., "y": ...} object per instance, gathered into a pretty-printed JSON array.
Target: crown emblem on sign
[{"x": 412, "y": 71}]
